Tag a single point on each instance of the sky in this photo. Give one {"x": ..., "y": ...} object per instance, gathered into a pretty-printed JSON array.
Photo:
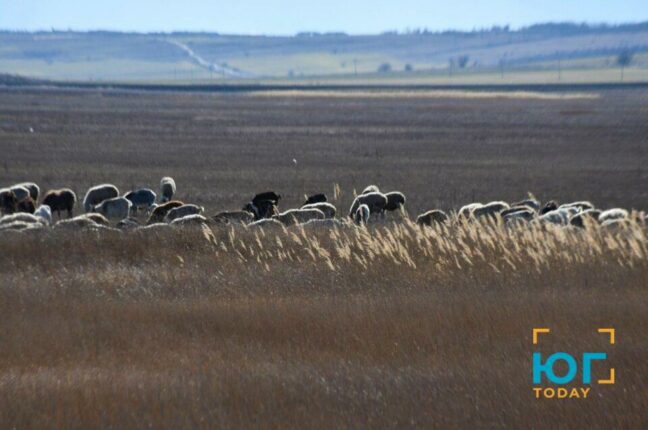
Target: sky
[{"x": 287, "y": 17}]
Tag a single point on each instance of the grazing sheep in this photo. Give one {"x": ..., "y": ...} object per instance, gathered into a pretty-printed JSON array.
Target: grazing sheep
[
  {"x": 193, "y": 219},
  {"x": 21, "y": 192},
  {"x": 263, "y": 209},
  {"x": 615, "y": 224},
  {"x": 328, "y": 209},
  {"x": 530, "y": 203},
  {"x": 89, "y": 218},
  {"x": 362, "y": 214},
  {"x": 298, "y": 216},
  {"x": 583, "y": 218},
  {"x": 328, "y": 223},
  {"x": 27, "y": 205},
  {"x": 167, "y": 189},
  {"x": 559, "y": 216},
  {"x": 128, "y": 223},
  {"x": 490, "y": 209},
  {"x": 60, "y": 200},
  {"x": 514, "y": 209},
  {"x": 266, "y": 196},
  {"x": 77, "y": 222},
  {"x": 519, "y": 216},
  {"x": 315, "y": 198},
  {"x": 98, "y": 194},
  {"x": 45, "y": 213},
  {"x": 182, "y": 211},
  {"x": 370, "y": 189},
  {"x": 20, "y": 226},
  {"x": 548, "y": 207},
  {"x": 582, "y": 205},
  {"x": 432, "y": 216},
  {"x": 395, "y": 201},
  {"x": 467, "y": 210},
  {"x": 8, "y": 201},
  {"x": 228, "y": 217},
  {"x": 97, "y": 218},
  {"x": 116, "y": 208},
  {"x": 34, "y": 190},
  {"x": 142, "y": 198},
  {"x": 158, "y": 214},
  {"x": 616, "y": 213},
  {"x": 158, "y": 226},
  {"x": 266, "y": 222},
  {"x": 21, "y": 217},
  {"x": 375, "y": 201}
]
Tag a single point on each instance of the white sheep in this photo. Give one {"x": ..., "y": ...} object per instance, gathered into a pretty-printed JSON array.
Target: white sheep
[
  {"x": 116, "y": 208},
  {"x": 370, "y": 189},
  {"x": 326, "y": 223},
  {"x": 490, "y": 209},
  {"x": 615, "y": 213},
  {"x": 20, "y": 191},
  {"x": 467, "y": 210},
  {"x": 192, "y": 219},
  {"x": 559, "y": 216},
  {"x": 167, "y": 189},
  {"x": 582, "y": 205},
  {"x": 97, "y": 194},
  {"x": 362, "y": 214},
  {"x": 20, "y": 226},
  {"x": 21, "y": 217},
  {"x": 328, "y": 209},
  {"x": 34, "y": 190},
  {"x": 44, "y": 212},
  {"x": 266, "y": 222},
  {"x": 182, "y": 211},
  {"x": 298, "y": 216}
]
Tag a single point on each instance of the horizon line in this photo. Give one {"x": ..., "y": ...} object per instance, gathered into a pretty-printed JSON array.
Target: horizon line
[{"x": 401, "y": 32}]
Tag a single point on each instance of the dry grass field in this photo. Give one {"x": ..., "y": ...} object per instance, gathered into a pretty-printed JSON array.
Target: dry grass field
[{"x": 389, "y": 327}]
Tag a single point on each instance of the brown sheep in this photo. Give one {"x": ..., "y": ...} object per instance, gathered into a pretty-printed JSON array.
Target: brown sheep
[
  {"x": 60, "y": 200},
  {"x": 26, "y": 205},
  {"x": 8, "y": 201},
  {"x": 160, "y": 212}
]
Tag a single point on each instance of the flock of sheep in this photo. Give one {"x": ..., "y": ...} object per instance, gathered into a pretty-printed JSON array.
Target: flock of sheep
[{"x": 104, "y": 205}]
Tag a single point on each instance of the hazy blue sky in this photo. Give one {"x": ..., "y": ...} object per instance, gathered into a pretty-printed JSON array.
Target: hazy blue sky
[{"x": 291, "y": 16}]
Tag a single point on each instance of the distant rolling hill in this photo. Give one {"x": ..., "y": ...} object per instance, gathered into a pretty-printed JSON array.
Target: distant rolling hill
[{"x": 182, "y": 57}]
